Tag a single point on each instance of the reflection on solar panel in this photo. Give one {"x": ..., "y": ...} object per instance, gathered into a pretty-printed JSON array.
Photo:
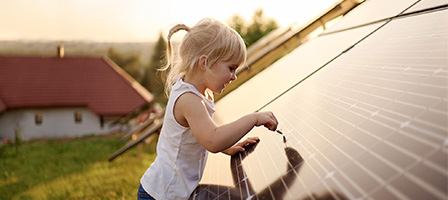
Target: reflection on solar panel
[{"x": 366, "y": 117}]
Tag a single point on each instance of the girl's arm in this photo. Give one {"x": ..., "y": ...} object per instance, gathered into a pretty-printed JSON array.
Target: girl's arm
[{"x": 191, "y": 110}]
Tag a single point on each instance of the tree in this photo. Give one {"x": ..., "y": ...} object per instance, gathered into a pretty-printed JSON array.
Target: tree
[
  {"x": 238, "y": 23},
  {"x": 129, "y": 63},
  {"x": 259, "y": 26},
  {"x": 152, "y": 77}
]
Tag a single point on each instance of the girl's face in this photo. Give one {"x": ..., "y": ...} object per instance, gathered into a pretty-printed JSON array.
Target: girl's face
[{"x": 222, "y": 73}]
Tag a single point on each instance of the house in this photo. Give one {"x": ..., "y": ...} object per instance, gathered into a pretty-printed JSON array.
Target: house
[{"x": 50, "y": 97}]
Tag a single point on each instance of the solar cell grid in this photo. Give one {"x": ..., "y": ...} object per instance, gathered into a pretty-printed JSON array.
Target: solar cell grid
[
  {"x": 305, "y": 60},
  {"x": 424, "y": 4},
  {"x": 373, "y": 123}
]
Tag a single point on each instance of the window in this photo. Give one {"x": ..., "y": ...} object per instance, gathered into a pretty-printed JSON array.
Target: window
[
  {"x": 101, "y": 121},
  {"x": 78, "y": 117},
  {"x": 38, "y": 118}
]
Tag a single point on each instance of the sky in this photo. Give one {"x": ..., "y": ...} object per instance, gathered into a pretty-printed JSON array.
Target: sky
[{"x": 135, "y": 20}]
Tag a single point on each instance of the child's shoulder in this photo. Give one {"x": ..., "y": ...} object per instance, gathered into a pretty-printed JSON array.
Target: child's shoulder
[
  {"x": 181, "y": 86},
  {"x": 188, "y": 98},
  {"x": 189, "y": 105}
]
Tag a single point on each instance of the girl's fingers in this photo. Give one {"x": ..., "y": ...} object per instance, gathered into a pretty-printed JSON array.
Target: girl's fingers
[
  {"x": 239, "y": 149},
  {"x": 273, "y": 118},
  {"x": 271, "y": 126},
  {"x": 253, "y": 139}
]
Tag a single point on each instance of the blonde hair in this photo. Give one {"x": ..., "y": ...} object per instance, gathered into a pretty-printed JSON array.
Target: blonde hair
[{"x": 208, "y": 37}]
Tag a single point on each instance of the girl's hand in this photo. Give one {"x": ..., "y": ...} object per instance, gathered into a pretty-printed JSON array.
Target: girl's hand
[
  {"x": 267, "y": 119},
  {"x": 239, "y": 147}
]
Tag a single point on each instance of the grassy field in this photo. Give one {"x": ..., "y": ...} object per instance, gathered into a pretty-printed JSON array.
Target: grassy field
[{"x": 72, "y": 169}]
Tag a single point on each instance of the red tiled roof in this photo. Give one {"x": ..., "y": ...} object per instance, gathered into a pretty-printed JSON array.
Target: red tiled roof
[
  {"x": 51, "y": 81},
  {"x": 2, "y": 105}
]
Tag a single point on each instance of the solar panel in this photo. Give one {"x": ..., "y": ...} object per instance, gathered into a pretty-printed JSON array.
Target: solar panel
[
  {"x": 291, "y": 68},
  {"x": 368, "y": 121},
  {"x": 371, "y": 11},
  {"x": 426, "y": 4},
  {"x": 309, "y": 57}
]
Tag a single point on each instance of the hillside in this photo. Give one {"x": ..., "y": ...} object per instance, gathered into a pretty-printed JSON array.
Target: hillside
[{"x": 76, "y": 48}]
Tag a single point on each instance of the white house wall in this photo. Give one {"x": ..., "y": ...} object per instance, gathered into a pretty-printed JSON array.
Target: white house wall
[{"x": 56, "y": 123}]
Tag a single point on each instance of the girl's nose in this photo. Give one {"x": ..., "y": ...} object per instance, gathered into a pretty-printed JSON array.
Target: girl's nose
[{"x": 233, "y": 76}]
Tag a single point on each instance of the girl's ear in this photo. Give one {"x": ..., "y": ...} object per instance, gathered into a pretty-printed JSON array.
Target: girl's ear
[{"x": 203, "y": 60}]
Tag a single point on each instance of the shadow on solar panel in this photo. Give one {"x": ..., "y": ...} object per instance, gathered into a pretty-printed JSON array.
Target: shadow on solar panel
[{"x": 243, "y": 189}]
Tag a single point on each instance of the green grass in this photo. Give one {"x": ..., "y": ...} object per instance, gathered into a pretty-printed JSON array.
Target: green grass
[{"x": 72, "y": 169}]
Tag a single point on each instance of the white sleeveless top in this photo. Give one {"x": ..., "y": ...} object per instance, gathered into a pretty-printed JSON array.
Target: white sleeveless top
[{"x": 181, "y": 159}]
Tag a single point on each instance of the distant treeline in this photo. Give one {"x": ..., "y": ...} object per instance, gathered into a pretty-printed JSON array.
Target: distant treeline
[{"x": 76, "y": 48}]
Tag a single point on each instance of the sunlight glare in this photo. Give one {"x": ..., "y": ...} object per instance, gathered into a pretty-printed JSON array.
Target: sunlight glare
[{"x": 136, "y": 20}]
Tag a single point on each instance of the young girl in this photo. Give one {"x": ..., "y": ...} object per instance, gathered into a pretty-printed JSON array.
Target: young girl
[{"x": 207, "y": 59}]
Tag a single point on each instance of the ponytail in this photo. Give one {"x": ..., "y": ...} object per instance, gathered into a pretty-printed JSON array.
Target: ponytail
[
  {"x": 177, "y": 28},
  {"x": 169, "y": 54}
]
